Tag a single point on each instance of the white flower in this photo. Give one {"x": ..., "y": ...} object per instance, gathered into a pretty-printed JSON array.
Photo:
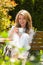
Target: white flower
[
  {"x": 41, "y": 63},
  {"x": 12, "y": 60},
  {"x": 32, "y": 58}
]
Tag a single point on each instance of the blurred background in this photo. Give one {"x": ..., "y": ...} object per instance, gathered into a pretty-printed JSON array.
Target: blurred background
[{"x": 9, "y": 9}]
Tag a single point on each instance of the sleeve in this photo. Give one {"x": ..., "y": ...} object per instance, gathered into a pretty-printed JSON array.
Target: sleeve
[
  {"x": 10, "y": 31},
  {"x": 31, "y": 34}
]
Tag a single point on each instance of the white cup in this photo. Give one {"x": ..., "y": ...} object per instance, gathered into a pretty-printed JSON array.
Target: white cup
[{"x": 21, "y": 30}]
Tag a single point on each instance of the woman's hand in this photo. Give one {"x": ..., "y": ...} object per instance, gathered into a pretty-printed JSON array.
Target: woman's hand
[
  {"x": 16, "y": 30},
  {"x": 2, "y": 39}
]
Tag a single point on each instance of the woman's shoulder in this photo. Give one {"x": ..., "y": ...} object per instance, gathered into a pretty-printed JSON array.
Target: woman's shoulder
[{"x": 32, "y": 31}]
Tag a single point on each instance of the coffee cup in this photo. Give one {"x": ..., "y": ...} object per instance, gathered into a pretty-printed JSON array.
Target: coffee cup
[{"x": 21, "y": 30}]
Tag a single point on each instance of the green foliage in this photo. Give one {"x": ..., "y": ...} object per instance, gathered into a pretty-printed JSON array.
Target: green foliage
[
  {"x": 37, "y": 14},
  {"x": 4, "y": 34},
  {"x": 5, "y": 6},
  {"x": 33, "y": 1},
  {"x": 6, "y": 58},
  {"x": 4, "y": 22},
  {"x": 28, "y": 63},
  {"x": 22, "y": 50}
]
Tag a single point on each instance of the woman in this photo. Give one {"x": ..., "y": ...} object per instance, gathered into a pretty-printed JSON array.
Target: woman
[{"x": 21, "y": 34}]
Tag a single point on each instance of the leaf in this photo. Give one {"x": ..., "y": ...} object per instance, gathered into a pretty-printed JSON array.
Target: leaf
[
  {"x": 7, "y": 58},
  {"x": 22, "y": 49},
  {"x": 4, "y": 34},
  {"x": 0, "y": 51}
]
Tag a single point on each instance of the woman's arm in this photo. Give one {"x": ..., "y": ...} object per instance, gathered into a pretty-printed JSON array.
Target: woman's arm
[
  {"x": 4, "y": 39},
  {"x": 9, "y": 36},
  {"x": 12, "y": 31}
]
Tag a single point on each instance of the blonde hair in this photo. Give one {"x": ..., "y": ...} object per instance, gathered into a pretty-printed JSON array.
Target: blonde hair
[{"x": 28, "y": 18}]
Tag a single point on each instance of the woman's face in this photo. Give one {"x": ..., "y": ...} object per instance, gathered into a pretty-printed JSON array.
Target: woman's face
[{"x": 22, "y": 21}]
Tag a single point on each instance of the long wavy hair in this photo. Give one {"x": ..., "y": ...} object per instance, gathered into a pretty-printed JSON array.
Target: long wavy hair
[{"x": 28, "y": 18}]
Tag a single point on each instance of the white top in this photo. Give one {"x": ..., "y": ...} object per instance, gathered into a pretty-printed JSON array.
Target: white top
[{"x": 22, "y": 41}]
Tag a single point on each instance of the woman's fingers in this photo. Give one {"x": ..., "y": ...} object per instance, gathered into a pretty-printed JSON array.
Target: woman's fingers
[{"x": 16, "y": 30}]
